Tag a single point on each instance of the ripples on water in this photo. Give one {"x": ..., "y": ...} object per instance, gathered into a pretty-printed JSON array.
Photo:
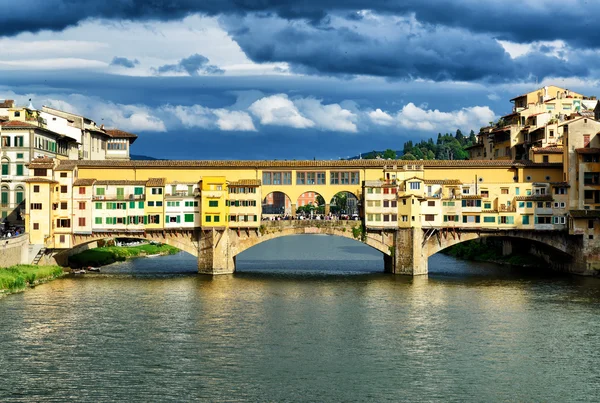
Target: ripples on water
[{"x": 324, "y": 325}]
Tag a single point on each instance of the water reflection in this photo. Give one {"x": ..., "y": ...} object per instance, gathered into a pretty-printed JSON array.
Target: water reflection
[{"x": 153, "y": 330}]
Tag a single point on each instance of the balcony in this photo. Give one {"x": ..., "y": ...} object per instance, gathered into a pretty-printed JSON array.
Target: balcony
[
  {"x": 182, "y": 193},
  {"x": 111, "y": 197}
]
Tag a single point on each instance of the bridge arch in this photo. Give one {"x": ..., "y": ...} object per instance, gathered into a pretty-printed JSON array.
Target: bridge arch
[
  {"x": 277, "y": 203},
  {"x": 556, "y": 249},
  {"x": 276, "y": 229}
]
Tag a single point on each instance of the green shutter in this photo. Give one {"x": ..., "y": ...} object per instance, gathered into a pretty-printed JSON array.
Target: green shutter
[
  {"x": 178, "y": 218},
  {"x": 131, "y": 204},
  {"x": 139, "y": 191},
  {"x": 98, "y": 220},
  {"x": 167, "y": 219},
  {"x": 19, "y": 169}
]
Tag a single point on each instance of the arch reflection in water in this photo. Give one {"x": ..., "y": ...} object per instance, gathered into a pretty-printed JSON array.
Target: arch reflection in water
[{"x": 310, "y": 254}]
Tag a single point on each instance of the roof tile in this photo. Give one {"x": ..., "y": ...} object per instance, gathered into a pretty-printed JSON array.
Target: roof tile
[{"x": 84, "y": 182}]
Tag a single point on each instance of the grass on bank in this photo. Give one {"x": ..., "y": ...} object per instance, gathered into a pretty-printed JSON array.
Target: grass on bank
[
  {"x": 20, "y": 276},
  {"x": 110, "y": 254}
]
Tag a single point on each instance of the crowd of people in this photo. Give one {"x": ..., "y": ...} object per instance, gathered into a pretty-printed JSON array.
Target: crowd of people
[
  {"x": 11, "y": 232},
  {"x": 325, "y": 217}
]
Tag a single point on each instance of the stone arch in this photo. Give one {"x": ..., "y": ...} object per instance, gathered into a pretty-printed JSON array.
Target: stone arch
[
  {"x": 310, "y": 198},
  {"x": 349, "y": 203},
  {"x": 276, "y": 203},
  {"x": 185, "y": 241},
  {"x": 244, "y": 243},
  {"x": 557, "y": 242}
]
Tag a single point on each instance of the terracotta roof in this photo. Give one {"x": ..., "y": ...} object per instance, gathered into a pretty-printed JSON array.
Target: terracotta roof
[
  {"x": 156, "y": 182},
  {"x": 534, "y": 198},
  {"x": 261, "y": 164},
  {"x": 560, "y": 184},
  {"x": 585, "y": 213},
  {"x": 7, "y": 103},
  {"x": 66, "y": 165},
  {"x": 548, "y": 150},
  {"x": 245, "y": 182},
  {"x": 413, "y": 178},
  {"x": 16, "y": 124},
  {"x": 84, "y": 182},
  {"x": 3, "y": 118},
  {"x": 442, "y": 182},
  {"x": 587, "y": 150},
  {"x": 35, "y": 179},
  {"x": 120, "y": 182},
  {"x": 44, "y": 162},
  {"x": 471, "y": 197},
  {"x": 120, "y": 134}
]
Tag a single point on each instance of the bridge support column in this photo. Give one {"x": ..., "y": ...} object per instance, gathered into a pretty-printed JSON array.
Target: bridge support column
[
  {"x": 293, "y": 212},
  {"x": 327, "y": 208},
  {"x": 507, "y": 247},
  {"x": 408, "y": 257},
  {"x": 215, "y": 254}
]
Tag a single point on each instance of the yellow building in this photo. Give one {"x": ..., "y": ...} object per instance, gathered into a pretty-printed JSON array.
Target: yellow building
[{"x": 214, "y": 207}]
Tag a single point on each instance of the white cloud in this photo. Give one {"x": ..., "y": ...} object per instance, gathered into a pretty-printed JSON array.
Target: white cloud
[
  {"x": 278, "y": 110},
  {"x": 191, "y": 116},
  {"x": 414, "y": 117},
  {"x": 381, "y": 118},
  {"x": 234, "y": 120},
  {"x": 330, "y": 117}
]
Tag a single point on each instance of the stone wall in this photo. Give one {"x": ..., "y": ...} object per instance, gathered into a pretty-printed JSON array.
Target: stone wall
[{"x": 14, "y": 251}]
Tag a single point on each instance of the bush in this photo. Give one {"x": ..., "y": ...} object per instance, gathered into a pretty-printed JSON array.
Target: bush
[{"x": 20, "y": 276}]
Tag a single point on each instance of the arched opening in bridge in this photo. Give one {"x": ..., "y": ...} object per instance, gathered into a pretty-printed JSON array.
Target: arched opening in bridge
[
  {"x": 276, "y": 204},
  {"x": 345, "y": 205},
  {"x": 503, "y": 256},
  {"x": 129, "y": 255},
  {"x": 310, "y": 255},
  {"x": 309, "y": 205}
]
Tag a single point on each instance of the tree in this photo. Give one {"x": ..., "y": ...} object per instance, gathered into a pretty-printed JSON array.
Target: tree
[
  {"x": 389, "y": 154},
  {"x": 459, "y": 136},
  {"x": 408, "y": 156}
]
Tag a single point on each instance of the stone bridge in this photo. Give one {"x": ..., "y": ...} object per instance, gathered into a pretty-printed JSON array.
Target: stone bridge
[{"x": 404, "y": 250}]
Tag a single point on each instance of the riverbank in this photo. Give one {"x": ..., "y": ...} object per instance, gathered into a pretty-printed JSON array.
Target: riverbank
[
  {"x": 110, "y": 254},
  {"x": 491, "y": 251},
  {"x": 19, "y": 277}
]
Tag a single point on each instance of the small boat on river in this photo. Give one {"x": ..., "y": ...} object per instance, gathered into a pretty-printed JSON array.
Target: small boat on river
[
  {"x": 93, "y": 269},
  {"x": 78, "y": 271},
  {"x": 155, "y": 255}
]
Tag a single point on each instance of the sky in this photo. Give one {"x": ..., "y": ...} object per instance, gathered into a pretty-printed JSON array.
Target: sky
[{"x": 281, "y": 79}]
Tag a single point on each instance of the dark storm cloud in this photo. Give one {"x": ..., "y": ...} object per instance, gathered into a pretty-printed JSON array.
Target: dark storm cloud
[
  {"x": 403, "y": 50},
  {"x": 124, "y": 62},
  {"x": 508, "y": 19},
  {"x": 193, "y": 65}
]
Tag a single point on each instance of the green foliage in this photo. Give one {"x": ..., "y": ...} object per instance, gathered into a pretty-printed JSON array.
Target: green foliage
[
  {"x": 389, "y": 154},
  {"x": 262, "y": 229},
  {"x": 110, "y": 254},
  {"x": 20, "y": 276},
  {"x": 446, "y": 147},
  {"x": 359, "y": 232}
]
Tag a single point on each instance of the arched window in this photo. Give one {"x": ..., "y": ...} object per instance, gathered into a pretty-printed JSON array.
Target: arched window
[
  {"x": 5, "y": 167},
  {"x": 19, "y": 195},
  {"x": 4, "y": 196}
]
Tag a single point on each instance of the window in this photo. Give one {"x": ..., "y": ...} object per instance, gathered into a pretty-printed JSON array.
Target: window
[
  {"x": 98, "y": 220},
  {"x": 81, "y": 221},
  {"x": 156, "y": 191},
  {"x": 81, "y": 190},
  {"x": 525, "y": 220},
  {"x": 63, "y": 223},
  {"x": 545, "y": 158},
  {"x": 63, "y": 205},
  {"x": 344, "y": 178},
  {"x": 213, "y": 203},
  {"x": 429, "y": 217},
  {"x": 543, "y": 220},
  {"x": 159, "y": 204},
  {"x": 551, "y": 133},
  {"x": 100, "y": 191},
  {"x": 208, "y": 218},
  {"x": 188, "y": 218},
  {"x": 19, "y": 156},
  {"x": 415, "y": 185},
  {"x": 430, "y": 203},
  {"x": 36, "y": 226},
  {"x": 560, "y": 191},
  {"x": 507, "y": 220},
  {"x": 35, "y": 206},
  {"x": 81, "y": 205},
  {"x": 586, "y": 140},
  {"x": 489, "y": 219},
  {"x": 36, "y": 188},
  {"x": 485, "y": 193},
  {"x": 138, "y": 191},
  {"x": 5, "y": 141},
  {"x": 487, "y": 206},
  {"x": 465, "y": 191},
  {"x": 61, "y": 239},
  {"x": 20, "y": 169},
  {"x": 471, "y": 203},
  {"x": 559, "y": 220},
  {"x": 150, "y": 204},
  {"x": 504, "y": 191},
  {"x": 591, "y": 224},
  {"x": 154, "y": 219},
  {"x": 217, "y": 218},
  {"x": 98, "y": 206}
]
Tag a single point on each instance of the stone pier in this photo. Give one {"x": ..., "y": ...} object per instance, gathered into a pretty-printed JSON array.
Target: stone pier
[{"x": 408, "y": 256}]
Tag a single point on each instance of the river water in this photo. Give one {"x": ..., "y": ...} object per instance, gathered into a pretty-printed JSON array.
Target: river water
[{"x": 305, "y": 319}]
